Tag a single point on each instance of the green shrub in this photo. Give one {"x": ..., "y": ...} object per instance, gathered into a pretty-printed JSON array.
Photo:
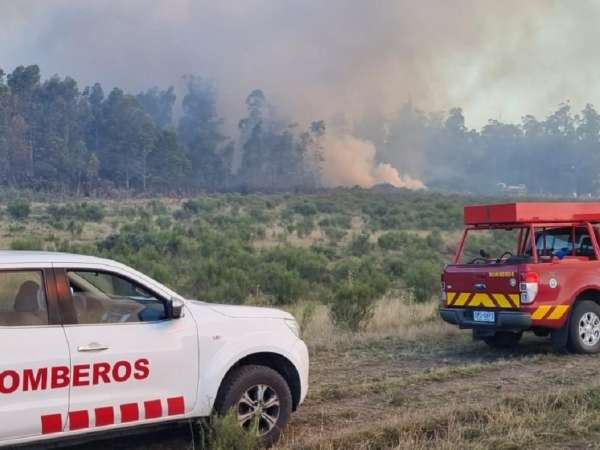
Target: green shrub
[
  {"x": 360, "y": 245},
  {"x": 225, "y": 433},
  {"x": 423, "y": 278},
  {"x": 30, "y": 243},
  {"x": 85, "y": 212},
  {"x": 352, "y": 306},
  {"x": 394, "y": 240},
  {"x": 19, "y": 209},
  {"x": 285, "y": 286}
]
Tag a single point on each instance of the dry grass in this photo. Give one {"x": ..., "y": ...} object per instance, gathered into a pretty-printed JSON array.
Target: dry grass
[
  {"x": 564, "y": 419},
  {"x": 393, "y": 317}
]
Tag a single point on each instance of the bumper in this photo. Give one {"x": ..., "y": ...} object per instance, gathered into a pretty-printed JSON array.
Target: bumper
[
  {"x": 303, "y": 368},
  {"x": 505, "y": 320}
]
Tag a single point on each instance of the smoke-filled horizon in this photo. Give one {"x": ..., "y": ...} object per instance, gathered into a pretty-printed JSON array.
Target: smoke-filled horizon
[{"x": 350, "y": 63}]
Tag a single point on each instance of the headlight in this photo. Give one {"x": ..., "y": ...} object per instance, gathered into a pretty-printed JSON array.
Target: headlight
[{"x": 293, "y": 326}]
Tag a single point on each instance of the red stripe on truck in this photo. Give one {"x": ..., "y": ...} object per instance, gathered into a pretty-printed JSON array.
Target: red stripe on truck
[
  {"x": 105, "y": 415},
  {"x": 176, "y": 405},
  {"x": 130, "y": 412},
  {"x": 79, "y": 420},
  {"x": 51, "y": 423},
  {"x": 153, "y": 409}
]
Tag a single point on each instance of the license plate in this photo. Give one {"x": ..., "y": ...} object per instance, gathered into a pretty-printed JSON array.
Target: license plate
[{"x": 484, "y": 316}]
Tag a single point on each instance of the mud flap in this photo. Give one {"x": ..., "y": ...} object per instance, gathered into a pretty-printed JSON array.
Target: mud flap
[{"x": 560, "y": 337}]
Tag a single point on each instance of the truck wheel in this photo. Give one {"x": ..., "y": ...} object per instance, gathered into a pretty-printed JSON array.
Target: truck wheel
[
  {"x": 260, "y": 397},
  {"x": 584, "y": 328},
  {"x": 503, "y": 339}
]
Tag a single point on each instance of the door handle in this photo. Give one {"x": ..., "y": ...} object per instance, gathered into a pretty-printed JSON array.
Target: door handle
[{"x": 93, "y": 347}]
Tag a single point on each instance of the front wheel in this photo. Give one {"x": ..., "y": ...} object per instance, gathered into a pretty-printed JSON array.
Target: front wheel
[
  {"x": 584, "y": 327},
  {"x": 260, "y": 398},
  {"x": 503, "y": 340}
]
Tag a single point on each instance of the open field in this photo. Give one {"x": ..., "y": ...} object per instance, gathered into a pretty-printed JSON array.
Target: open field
[
  {"x": 397, "y": 378},
  {"x": 425, "y": 386}
]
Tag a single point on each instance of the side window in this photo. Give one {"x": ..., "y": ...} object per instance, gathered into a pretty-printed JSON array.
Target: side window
[
  {"x": 563, "y": 242},
  {"x": 22, "y": 299},
  {"x": 583, "y": 243},
  {"x": 103, "y": 297}
]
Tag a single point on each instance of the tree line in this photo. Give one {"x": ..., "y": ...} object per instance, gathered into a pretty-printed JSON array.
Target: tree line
[
  {"x": 57, "y": 137},
  {"x": 558, "y": 155}
]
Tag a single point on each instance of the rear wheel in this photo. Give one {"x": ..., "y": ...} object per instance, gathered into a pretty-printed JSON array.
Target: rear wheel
[
  {"x": 503, "y": 339},
  {"x": 260, "y": 398},
  {"x": 584, "y": 328}
]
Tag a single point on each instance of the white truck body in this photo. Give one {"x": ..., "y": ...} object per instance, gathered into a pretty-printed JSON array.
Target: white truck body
[{"x": 70, "y": 376}]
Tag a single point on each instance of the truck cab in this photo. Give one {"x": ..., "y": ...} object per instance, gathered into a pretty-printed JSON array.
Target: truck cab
[
  {"x": 527, "y": 267},
  {"x": 92, "y": 347}
]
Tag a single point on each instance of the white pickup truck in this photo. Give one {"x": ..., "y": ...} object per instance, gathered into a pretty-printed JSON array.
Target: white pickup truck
[{"x": 90, "y": 346}]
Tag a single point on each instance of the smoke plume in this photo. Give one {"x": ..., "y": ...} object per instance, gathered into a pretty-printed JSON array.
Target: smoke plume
[
  {"x": 319, "y": 59},
  {"x": 351, "y": 161}
]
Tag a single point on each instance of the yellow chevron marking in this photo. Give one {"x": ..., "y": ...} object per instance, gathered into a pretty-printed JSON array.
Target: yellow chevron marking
[
  {"x": 516, "y": 299},
  {"x": 462, "y": 298},
  {"x": 481, "y": 299},
  {"x": 502, "y": 301},
  {"x": 558, "y": 312},
  {"x": 540, "y": 312},
  {"x": 449, "y": 297}
]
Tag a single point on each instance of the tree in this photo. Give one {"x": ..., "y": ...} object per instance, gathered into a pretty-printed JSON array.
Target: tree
[
  {"x": 158, "y": 105},
  {"x": 208, "y": 149}
]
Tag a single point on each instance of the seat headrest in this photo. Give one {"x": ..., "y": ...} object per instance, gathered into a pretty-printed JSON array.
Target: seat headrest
[{"x": 26, "y": 300}]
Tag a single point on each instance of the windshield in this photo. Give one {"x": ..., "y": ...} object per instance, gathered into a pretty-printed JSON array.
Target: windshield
[{"x": 512, "y": 245}]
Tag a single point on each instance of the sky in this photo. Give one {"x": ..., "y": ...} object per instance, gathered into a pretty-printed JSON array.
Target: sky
[{"x": 337, "y": 60}]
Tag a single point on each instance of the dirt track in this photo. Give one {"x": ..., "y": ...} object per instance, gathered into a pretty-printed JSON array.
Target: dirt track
[{"x": 355, "y": 389}]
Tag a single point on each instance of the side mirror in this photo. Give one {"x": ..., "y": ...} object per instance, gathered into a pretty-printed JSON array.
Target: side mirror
[{"x": 174, "y": 308}]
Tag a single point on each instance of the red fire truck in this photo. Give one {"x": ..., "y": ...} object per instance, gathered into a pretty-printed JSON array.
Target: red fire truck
[{"x": 527, "y": 267}]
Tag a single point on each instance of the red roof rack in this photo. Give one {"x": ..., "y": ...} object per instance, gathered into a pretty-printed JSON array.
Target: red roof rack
[{"x": 532, "y": 212}]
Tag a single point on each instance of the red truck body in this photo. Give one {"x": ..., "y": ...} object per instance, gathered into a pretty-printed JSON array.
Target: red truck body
[{"x": 534, "y": 286}]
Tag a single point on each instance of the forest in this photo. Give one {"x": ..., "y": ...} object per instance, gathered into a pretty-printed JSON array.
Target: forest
[
  {"x": 55, "y": 137},
  {"x": 58, "y": 137}
]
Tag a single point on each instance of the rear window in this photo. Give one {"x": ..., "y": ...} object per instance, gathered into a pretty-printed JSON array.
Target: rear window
[
  {"x": 22, "y": 299},
  {"x": 482, "y": 246}
]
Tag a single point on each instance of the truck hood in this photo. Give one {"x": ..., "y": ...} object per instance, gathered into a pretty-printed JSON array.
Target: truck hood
[{"x": 243, "y": 312}]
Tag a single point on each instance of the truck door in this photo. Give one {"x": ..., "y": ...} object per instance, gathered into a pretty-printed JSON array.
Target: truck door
[
  {"x": 34, "y": 353},
  {"x": 129, "y": 363}
]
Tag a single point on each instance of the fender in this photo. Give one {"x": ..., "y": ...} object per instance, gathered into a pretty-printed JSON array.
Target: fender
[
  {"x": 590, "y": 287},
  {"x": 214, "y": 369}
]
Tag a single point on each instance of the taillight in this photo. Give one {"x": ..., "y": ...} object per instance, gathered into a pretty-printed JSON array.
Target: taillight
[
  {"x": 529, "y": 288},
  {"x": 443, "y": 286}
]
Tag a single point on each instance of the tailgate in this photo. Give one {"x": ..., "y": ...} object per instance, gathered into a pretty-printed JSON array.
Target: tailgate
[{"x": 482, "y": 286}]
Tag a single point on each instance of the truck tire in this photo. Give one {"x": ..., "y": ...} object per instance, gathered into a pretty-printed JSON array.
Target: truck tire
[
  {"x": 584, "y": 327},
  {"x": 503, "y": 339},
  {"x": 260, "y": 397}
]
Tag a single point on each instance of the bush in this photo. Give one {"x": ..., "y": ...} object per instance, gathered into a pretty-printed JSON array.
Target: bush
[
  {"x": 285, "y": 286},
  {"x": 423, "y": 278},
  {"x": 30, "y": 243},
  {"x": 360, "y": 245},
  {"x": 19, "y": 209},
  {"x": 85, "y": 212},
  {"x": 394, "y": 240},
  {"x": 225, "y": 433},
  {"x": 352, "y": 306}
]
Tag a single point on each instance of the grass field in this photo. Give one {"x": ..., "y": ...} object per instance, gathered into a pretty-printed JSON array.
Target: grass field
[{"x": 399, "y": 379}]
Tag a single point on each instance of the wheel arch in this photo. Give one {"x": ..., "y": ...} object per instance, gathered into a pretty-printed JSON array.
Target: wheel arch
[
  {"x": 587, "y": 293},
  {"x": 279, "y": 364}
]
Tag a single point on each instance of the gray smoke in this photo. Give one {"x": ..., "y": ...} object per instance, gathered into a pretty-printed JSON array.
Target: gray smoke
[{"x": 338, "y": 60}]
